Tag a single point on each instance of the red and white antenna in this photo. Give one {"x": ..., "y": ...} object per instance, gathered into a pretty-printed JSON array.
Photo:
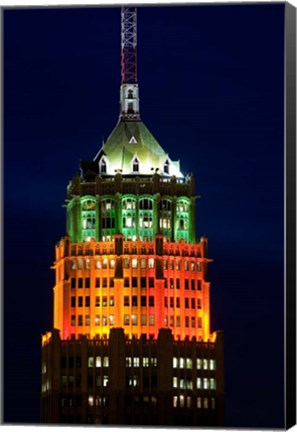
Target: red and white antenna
[{"x": 129, "y": 45}]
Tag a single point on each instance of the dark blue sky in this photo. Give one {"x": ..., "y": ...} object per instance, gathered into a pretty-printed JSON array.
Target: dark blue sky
[{"x": 211, "y": 87}]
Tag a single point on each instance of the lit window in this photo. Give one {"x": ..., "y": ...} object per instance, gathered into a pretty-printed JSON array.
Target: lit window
[
  {"x": 98, "y": 361},
  {"x": 154, "y": 361},
  {"x": 104, "y": 301},
  {"x": 104, "y": 320},
  {"x": 205, "y": 403},
  {"x": 199, "y": 402},
  {"x": 87, "y": 320},
  {"x": 111, "y": 320},
  {"x": 198, "y": 363},
  {"x": 136, "y": 362},
  {"x": 186, "y": 265},
  {"x": 111, "y": 263},
  {"x": 126, "y": 263},
  {"x": 88, "y": 263},
  {"x": 105, "y": 361},
  {"x": 151, "y": 320},
  {"x": 212, "y": 384},
  {"x": 188, "y": 363},
  {"x": 105, "y": 381},
  {"x": 134, "y": 319},
  {"x": 126, "y": 319},
  {"x": 177, "y": 265},
  {"x": 91, "y": 362},
  {"x": 175, "y": 399},
  {"x": 97, "y": 264},
  {"x": 128, "y": 361},
  {"x": 80, "y": 320},
  {"x": 182, "y": 383},
  {"x": 143, "y": 263},
  {"x": 90, "y": 401},
  {"x": 205, "y": 383},
  {"x": 151, "y": 263},
  {"x": 143, "y": 319},
  {"x": 198, "y": 383},
  {"x": 189, "y": 401},
  {"x": 205, "y": 364},
  {"x": 133, "y": 381},
  {"x": 134, "y": 262},
  {"x": 212, "y": 364},
  {"x": 97, "y": 320},
  {"x": 73, "y": 264},
  {"x": 181, "y": 401},
  {"x": 145, "y": 362},
  {"x": 104, "y": 264},
  {"x": 175, "y": 382},
  {"x": 175, "y": 362}
]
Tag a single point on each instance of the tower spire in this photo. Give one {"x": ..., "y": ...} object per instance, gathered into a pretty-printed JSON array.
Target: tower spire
[{"x": 129, "y": 87}]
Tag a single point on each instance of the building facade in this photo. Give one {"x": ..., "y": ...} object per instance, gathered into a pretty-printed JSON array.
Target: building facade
[{"x": 131, "y": 341}]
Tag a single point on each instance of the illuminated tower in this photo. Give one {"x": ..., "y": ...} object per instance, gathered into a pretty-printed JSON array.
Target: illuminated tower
[{"x": 131, "y": 342}]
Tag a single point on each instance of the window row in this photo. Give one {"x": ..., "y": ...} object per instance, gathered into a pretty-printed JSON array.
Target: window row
[
  {"x": 81, "y": 301},
  {"x": 194, "y": 302},
  {"x": 80, "y": 264},
  {"x": 193, "y": 283},
  {"x": 187, "y": 265},
  {"x": 98, "y": 361},
  {"x": 133, "y": 320},
  {"x": 99, "y": 320},
  {"x": 201, "y": 383},
  {"x": 189, "y": 402},
  {"x": 176, "y": 321},
  {"x": 181, "y": 362},
  {"x": 145, "y": 361},
  {"x": 144, "y": 301},
  {"x": 85, "y": 282}
]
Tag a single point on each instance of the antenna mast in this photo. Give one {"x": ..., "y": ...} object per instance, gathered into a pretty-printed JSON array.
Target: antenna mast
[{"x": 129, "y": 45}]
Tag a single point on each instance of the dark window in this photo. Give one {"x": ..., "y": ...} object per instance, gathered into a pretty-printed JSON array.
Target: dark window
[
  {"x": 186, "y": 303},
  {"x": 73, "y": 301},
  {"x": 193, "y": 303},
  {"x": 134, "y": 300},
  {"x": 97, "y": 282},
  {"x": 199, "y": 303},
  {"x": 97, "y": 301},
  {"x": 143, "y": 300},
  {"x": 192, "y": 284},
  {"x": 126, "y": 282},
  {"x": 151, "y": 301},
  {"x": 171, "y": 302},
  {"x": 73, "y": 283},
  {"x": 186, "y": 284},
  {"x": 126, "y": 301},
  {"x": 177, "y": 283},
  {"x": 177, "y": 302},
  {"x": 80, "y": 282},
  {"x": 151, "y": 282},
  {"x": 165, "y": 302},
  {"x": 134, "y": 282},
  {"x": 80, "y": 301},
  {"x": 104, "y": 282},
  {"x": 199, "y": 285},
  {"x": 104, "y": 301},
  {"x": 87, "y": 301},
  {"x": 143, "y": 282},
  {"x": 87, "y": 282}
]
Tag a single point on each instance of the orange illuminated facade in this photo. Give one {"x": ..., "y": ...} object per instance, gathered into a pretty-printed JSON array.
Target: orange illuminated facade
[{"x": 131, "y": 279}]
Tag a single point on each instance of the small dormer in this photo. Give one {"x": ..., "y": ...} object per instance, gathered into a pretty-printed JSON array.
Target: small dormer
[
  {"x": 103, "y": 165},
  {"x": 166, "y": 167},
  {"x": 135, "y": 165}
]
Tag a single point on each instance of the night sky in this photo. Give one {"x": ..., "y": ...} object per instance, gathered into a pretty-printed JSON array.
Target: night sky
[{"x": 211, "y": 91}]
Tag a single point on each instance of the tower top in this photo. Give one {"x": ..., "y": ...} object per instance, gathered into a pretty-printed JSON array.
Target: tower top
[{"x": 129, "y": 98}]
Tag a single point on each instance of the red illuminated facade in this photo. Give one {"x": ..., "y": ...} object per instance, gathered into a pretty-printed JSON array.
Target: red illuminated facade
[{"x": 131, "y": 294}]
